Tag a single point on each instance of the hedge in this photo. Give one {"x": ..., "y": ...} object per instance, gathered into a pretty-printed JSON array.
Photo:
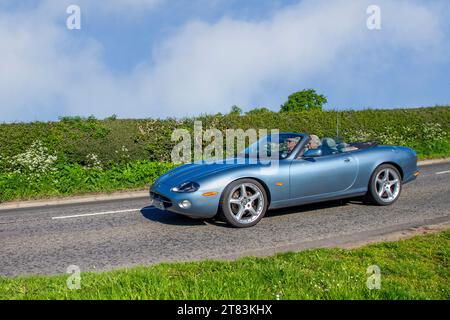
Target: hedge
[{"x": 115, "y": 141}]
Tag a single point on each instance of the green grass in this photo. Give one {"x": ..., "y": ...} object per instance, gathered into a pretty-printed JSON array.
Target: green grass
[{"x": 417, "y": 268}]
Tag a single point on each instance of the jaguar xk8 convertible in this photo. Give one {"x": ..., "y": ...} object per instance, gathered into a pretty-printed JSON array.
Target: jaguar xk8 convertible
[{"x": 242, "y": 189}]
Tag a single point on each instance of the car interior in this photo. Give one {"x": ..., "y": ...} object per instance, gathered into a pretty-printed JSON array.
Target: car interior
[{"x": 329, "y": 146}]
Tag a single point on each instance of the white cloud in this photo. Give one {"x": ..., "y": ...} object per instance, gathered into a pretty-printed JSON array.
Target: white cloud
[
  {"x": 209, "y": 67},
  {"x": 205, "y": 67}
]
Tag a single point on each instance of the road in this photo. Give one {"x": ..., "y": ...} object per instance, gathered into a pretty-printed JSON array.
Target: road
[{"x": 111, "y": 234}]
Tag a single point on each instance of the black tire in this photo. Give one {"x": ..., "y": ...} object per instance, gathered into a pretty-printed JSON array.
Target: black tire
[
  {"x": 226, "y": 208},
  {"x": 375, "y": 186}
]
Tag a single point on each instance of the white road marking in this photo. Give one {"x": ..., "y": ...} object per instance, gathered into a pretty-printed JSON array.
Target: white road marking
[
  {"x": 94, "y": 214},
  {"x": 442, "y": 172}
]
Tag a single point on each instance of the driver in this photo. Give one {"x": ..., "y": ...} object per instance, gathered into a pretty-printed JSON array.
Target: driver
[{"x": 291, "y": 143}]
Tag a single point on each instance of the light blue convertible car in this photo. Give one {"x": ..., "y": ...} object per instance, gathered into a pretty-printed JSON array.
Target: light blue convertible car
[{"x": 242, "y": 189}]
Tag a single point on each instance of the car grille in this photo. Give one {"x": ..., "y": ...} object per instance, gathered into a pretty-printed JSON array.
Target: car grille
[{"x": 166, "y": 201}]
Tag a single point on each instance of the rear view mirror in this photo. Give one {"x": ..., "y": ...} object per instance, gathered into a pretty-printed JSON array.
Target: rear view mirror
[{"x": 312, "y": 153}]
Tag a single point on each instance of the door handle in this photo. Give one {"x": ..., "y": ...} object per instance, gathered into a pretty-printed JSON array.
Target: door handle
[{"x": 347, "y": 160}]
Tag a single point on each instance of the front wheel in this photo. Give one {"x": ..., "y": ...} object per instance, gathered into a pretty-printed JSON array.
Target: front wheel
[
  {"x": 385, "y": 185},
  {"x": 243, "y": 203}
]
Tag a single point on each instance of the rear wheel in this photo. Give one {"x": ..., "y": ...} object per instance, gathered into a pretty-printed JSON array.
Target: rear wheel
[
  {"x": 243, "y": 203},
  {"x": 385, "y": 185}
]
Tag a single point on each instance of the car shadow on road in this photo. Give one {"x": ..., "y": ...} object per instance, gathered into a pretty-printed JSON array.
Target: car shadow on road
[
  {"x": 171, "y": 218},
  {"x": 314, "y": 206},
  {"x": 168, "y": 217}
]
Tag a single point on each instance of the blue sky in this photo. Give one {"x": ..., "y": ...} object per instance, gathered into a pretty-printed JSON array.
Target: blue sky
[{"x": 160, "y": 58}]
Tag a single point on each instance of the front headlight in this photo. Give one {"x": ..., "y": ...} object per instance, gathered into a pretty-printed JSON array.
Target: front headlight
[{"x": 186, "y": 187}]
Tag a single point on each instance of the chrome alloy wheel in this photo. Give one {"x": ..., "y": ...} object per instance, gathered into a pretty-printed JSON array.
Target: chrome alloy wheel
[
  {"x": 387, "y": 185},
  {"x": 246, "y": 202}
]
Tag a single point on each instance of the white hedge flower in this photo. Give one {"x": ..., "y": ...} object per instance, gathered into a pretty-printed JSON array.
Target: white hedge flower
[
  {"x": 93, "y": 162},
  {"x": 36, "y": 159}
]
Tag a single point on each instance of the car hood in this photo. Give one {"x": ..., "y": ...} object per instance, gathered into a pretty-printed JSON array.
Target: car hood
[{"x": 194, "y": 171}]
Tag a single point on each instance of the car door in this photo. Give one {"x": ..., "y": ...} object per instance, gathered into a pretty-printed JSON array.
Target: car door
[{"x": 321, "y": 176}]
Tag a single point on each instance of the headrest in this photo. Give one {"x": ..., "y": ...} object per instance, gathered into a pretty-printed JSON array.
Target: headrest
[{"x": 329, "y": 143}]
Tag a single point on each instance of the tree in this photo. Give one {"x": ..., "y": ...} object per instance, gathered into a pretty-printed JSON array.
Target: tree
[
  {"x": 256, "y": 111},
  {"x": 236, "y": 110},
  {"x": 304, "y": 100}
]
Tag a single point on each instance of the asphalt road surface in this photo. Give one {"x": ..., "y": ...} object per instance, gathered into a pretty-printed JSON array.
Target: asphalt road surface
[{"x": 123, "y": 233}]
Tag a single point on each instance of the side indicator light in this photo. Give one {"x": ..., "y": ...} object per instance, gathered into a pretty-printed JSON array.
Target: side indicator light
[
  {"x": 279, "y": 184},
  {"x": 416, "y": 173},
  {"x": 209, "y": 194}
]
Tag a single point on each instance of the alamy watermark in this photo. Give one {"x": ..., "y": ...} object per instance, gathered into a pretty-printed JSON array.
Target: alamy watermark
[
  {"x": 214, "y": 146},
  {"x": 374, "y": 20},
  {"x": 73, "y": 21},
  {"x": 74, "y": 280},
  {"x": 374, "y": 279}
]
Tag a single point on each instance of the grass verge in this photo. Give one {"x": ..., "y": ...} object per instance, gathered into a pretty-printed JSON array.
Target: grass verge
[{"x": 417, "y": 268}]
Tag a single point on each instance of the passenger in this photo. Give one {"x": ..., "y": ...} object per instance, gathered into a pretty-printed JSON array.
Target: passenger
[{"x": 314, "y": 142}]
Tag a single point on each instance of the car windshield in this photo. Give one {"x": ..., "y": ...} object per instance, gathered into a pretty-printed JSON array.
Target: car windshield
[{"x": 278, "y": 146}]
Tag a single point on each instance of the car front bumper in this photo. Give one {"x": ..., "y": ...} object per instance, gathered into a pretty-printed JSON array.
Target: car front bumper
[{"x": 200, "y": 206}]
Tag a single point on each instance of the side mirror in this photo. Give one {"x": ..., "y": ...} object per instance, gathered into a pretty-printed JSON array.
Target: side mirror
[{"x": 312, "y": 153}]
